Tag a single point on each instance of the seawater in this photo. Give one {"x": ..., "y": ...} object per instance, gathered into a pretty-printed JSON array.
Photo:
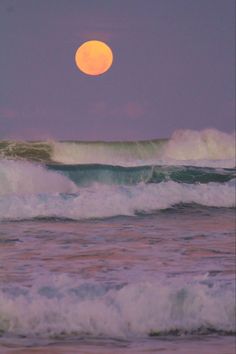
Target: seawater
[{"x": 130, "y": 249}]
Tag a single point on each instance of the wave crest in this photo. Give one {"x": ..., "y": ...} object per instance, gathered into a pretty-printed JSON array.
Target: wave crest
[
  {"x": 23, "y": 177},
  {"x": 209, "y": 147},
  {"x": 209, "y": 144}
]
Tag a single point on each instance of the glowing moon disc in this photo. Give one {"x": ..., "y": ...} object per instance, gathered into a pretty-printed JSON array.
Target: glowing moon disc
[{"x": 94, "y": 57}]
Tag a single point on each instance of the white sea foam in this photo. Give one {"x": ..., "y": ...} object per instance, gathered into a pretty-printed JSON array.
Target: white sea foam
[
  {"x": 23, "y": 177},
  {"x": 28, "y": 191},
  {"x": 208, "y": 147},
  {"x": 62, "y": 305},
  {"x": 98, "y": 201},
  {"x": 209, "y": 144}
]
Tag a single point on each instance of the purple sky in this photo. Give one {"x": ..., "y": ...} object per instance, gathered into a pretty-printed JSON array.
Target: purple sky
[{"x": 174, "y": 68}]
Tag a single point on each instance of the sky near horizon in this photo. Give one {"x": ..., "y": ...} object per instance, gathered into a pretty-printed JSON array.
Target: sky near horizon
[{"x": 174, "y": 68}]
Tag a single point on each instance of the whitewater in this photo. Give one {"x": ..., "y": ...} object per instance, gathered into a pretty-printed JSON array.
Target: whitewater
[
  {"x": 209, "y": 147},
  {"x": 122, "y": 247}
]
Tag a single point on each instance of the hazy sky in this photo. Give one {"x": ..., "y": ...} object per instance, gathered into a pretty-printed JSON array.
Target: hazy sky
[{"x": 174, "y": 68}]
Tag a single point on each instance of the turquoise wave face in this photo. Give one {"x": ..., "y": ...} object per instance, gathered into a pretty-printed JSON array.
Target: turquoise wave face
[
  {"x": 29, "y": 191},
  {"x": 85, "y": 175}
]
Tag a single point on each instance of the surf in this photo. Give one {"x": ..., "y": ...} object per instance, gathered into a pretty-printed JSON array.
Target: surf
[
  {"x": 208, "y": 147},
  {"x": 144, "y": 308},
  {"x": 104, "y": 201}
]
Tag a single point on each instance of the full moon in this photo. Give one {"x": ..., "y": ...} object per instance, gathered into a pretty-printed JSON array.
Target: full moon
[{"x": 94, "y": 57}]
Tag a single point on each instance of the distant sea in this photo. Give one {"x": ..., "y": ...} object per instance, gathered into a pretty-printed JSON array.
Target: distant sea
[{"x": 118, "y": 247}]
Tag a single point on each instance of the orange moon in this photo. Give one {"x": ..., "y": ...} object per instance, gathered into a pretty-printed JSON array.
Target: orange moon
[{"x": 94, "y": 57}]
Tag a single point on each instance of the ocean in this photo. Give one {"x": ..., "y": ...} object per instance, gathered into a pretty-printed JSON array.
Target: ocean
[{"x": 118, "y": 247}]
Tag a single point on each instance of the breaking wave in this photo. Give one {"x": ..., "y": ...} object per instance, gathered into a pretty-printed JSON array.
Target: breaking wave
[
  {"x": 100, "y": 201},
  {"x": 61, "y": 306},
  {"x": 22, "y": 177},
  {"x": 206, "y": 148},
  {"x": 209, "y": 147},
  {"x": 31, "y": 190}
]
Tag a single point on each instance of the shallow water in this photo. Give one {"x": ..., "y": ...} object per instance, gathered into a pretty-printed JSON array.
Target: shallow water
[
  {"x": 102, "y": 286},
  {"x": 193, "y": 345}
]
